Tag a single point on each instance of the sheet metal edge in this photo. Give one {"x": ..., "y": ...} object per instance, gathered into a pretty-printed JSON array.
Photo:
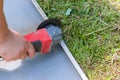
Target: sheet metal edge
[{"x": 63, "y": 45}]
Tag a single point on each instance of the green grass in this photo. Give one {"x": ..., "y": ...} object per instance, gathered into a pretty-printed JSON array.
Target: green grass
[{"x": 91, "y": 32}]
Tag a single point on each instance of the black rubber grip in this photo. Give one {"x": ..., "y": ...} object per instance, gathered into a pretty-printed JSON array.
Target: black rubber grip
[{"x": 37, "y": 45}]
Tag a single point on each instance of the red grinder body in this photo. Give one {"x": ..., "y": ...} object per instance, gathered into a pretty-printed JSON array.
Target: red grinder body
[{"x": 46, "y": 37}]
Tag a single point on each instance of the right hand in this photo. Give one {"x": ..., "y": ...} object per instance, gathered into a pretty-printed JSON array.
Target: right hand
[{"x": 14, "y": 47}]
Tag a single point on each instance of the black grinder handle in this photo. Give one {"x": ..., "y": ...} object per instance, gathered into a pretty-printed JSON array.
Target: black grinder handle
[{"x": 37, "y": 45}]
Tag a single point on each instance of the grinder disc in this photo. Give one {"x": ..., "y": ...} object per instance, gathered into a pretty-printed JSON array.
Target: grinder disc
[{"x": 52, "y": 21}]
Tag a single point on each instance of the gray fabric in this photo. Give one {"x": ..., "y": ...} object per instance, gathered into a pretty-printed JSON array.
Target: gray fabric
[{"x": 22, "y": 16}]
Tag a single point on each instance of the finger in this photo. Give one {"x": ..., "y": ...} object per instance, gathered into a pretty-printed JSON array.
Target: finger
[
  {"x": 12, "y": 58},
  {"x": 23, "y": 56},
  {"x": 6, "y": 57},
  {"x": 31, "y": 51}
]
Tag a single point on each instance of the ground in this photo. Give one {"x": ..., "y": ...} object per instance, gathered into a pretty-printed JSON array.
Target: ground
[{"x": 92, "y": 33}]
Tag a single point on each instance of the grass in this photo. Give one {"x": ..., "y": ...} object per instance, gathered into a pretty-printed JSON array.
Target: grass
[{"x": 91, "y": 32}]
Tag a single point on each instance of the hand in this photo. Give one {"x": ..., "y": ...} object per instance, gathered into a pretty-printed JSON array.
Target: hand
[{"x": 14, "y": 47}]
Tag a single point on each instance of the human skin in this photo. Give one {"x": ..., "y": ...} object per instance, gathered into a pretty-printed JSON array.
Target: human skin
[{"x": 12, "y": 45}]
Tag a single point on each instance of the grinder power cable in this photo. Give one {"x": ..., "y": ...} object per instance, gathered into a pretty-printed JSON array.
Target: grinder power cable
[{"x": 47, "y": 36}]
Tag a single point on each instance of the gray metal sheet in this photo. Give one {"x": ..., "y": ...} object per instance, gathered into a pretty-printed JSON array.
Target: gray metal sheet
[
  {"x": 54, "y": 66},
  {"x": 23, "y": 17}
]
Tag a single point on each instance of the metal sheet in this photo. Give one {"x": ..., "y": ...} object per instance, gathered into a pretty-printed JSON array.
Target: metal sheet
[{"x": 22, "y": 16}]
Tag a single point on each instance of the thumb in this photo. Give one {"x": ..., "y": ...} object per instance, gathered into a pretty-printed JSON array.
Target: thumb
[{"x": 31, "y": 50}]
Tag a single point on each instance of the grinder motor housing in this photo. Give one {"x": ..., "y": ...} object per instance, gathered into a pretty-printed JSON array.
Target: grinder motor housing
[{"x": 48, "y": 34}]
